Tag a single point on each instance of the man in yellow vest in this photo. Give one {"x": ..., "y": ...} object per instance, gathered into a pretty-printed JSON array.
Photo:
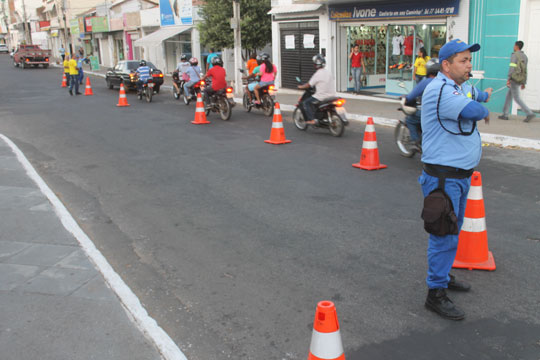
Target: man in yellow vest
[
  {"x": 66, "y": 68},
  {"x": 74, "y": 75}
]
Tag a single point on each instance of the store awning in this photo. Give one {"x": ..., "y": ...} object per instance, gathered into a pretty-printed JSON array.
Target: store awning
[
  {"x": 157, "y": 37},
  {"x": 297, "y": 8}
]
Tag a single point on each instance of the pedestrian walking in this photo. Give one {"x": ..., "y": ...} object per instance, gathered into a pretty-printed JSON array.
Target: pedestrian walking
[
  {"x": 357, "y": 67},
  {"x": 74, "y": 75},
  {"x": 62, "y": 52},
  {"x": 517, "y": 78},
  {"x": 451, "y": 150}
]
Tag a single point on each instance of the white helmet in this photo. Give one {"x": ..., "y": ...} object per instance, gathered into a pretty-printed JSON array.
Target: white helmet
[{"x": 409, "y": 110}]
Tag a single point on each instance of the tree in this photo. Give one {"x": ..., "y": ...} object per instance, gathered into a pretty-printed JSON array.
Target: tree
[{"x": 215, "y": 28}]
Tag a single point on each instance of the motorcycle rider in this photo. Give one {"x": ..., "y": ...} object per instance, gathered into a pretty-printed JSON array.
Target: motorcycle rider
[
  {"x": 218, "y": 74},
  {"x": 194, "y": 75},
  {"x": 325, "y": 87},
  {"x": 255, "y": 74},
  {"x": 415, "y": 96},
  {"x": 181, "y": 71},
  {"x": 143, "y": 74},
  {"x": 268, "y": 74}
]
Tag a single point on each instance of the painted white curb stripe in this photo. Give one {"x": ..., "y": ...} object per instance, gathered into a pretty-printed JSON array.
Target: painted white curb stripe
[
  {"x": 369, "y": 145},
  {"x": 147, "y": 325},
  {"x": 370, "y": 128},
  {"x": 474, "y": 225},
  {"x": 326, "y": 345},
  {"x": 277, "y": 125},
  {"x": 475, "y": 193}
]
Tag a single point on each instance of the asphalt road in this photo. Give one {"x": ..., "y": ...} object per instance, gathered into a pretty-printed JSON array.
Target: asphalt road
[{"x": 230, "y": 242}]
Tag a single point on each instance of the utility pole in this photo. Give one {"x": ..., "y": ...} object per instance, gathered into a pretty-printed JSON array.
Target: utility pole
[
  {"x": 27, "y": 31},
  {"x": 235, "y": 24},
  {"x": 7, "y": 24},
  {"x": 62, "y": 14}
]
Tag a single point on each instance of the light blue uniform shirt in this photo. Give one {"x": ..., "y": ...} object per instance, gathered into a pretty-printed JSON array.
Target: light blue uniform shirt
[
  {"x": 439, "y": 147},
  {"x": 193, "y": 73}
]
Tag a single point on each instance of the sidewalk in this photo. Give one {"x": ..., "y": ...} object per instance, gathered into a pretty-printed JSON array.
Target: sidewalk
[
  {"x": 507, "y": 133},
  {"x": 55, "y": 303}
]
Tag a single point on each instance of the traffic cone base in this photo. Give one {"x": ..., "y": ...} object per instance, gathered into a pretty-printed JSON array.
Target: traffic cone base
[
  {"x": 88, "y": 89},
  {"x": 326, "y": 339},
  {"x": 200, "y": 114},
  {"x": 277, "y": 134},
  {"x": 472, "y": 251},
  {"x": 369, "y": 159},
  {"x": 122, "y": 99}
]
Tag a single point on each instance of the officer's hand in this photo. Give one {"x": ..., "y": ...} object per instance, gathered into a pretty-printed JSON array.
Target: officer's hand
[
  {"x": 486, "y": 119},
  {"x": 489, "y": 91},
  {"x": 523, "y": 87},
  {"x": 508, "y": 83}
]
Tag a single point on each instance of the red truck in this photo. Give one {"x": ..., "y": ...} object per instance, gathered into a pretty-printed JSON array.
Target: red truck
[{"x": 27, "y": 55}]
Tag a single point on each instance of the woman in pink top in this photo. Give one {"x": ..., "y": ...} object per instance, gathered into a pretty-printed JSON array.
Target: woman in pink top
[{"x": 268, "y": 73}]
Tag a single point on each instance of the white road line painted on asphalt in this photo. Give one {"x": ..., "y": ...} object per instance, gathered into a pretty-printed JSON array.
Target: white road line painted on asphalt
[{"x": 136, "y": 312}]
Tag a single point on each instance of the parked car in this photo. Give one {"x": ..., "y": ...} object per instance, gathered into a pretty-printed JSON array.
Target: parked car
[
  {"x": 4, "y": 48},
  {"x": 27, "y": 55},
  {"x": 124, "y": 71}
]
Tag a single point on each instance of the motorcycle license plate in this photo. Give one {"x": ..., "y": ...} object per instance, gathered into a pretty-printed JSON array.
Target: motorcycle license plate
[
  {"x": 230, "y": 95},
  {"x": 342, "y": 112},
  {"x": 151, "y": 85}
]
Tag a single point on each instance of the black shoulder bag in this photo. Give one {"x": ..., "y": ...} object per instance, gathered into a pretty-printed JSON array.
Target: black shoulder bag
[{"x": 438, "y": 212}]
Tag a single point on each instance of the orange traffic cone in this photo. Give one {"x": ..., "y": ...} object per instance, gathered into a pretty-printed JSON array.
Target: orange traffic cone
[
  {"x": 88, "y": 89},
  {"x": 122, "y": 99},
  {"x": 277, "y": 135},
  {"x": 369, "y": 159},
  {"x": 64, "y": 80},
  {"x": 200, "y": 115},
  {"x": 472, "y": 252},
  {"x": 326, "y": 339}
]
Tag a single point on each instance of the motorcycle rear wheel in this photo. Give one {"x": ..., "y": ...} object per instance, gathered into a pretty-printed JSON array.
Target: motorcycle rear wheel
[
  {"x": 224, "y": 109},
  {"x": 404, "y": 144},
  {"x": 148, "y": 94},
  {"x": 267, "y": 104},
  {"x": 246, "y": 103},
  {"x": 336, "y": 126},
  {"x": 299, "y": 120}
]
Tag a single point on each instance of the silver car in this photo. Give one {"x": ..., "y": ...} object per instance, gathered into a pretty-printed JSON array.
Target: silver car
[{"x": 4, "y": 48}]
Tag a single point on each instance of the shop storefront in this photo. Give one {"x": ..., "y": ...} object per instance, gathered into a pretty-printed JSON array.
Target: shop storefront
[{"x": 389, "y": 37}]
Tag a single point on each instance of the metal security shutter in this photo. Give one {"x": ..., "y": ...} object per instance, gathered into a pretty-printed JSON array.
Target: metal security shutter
[{"x": 297, "y": 62}]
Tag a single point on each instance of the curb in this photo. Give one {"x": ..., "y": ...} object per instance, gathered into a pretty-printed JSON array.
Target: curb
[{"x": 495, "y": 139}]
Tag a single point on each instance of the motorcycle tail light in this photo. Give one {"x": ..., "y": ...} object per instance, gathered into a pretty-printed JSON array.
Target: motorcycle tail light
[
  {"x": 339, "y": 102},
  {"x": 272, "y": 88},
  {"x": 202, "y": 83},
  {"x": 229, "y": 90}
]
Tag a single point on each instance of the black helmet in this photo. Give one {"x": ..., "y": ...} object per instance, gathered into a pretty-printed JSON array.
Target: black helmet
[
  {"x": 319, "y": 61},
  {"x": 433, "y": 66},
  {"x": 264, "y": 56},
  {"x": 216, "y": 60},
  {"x": 183, "y": 57},
  {"x": 193, "y": 61},
  {"x": 142, "y": 63}
]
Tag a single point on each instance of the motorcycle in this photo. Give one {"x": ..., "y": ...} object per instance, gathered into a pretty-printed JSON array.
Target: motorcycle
[
  {"x": 268, "y": 98},
  {"x": 329, "y": 114},
  {"x": 147, "y": 90},
  {"x": 406, "y": 146},
  {"x": 221, "y": 102},
  {"x": 193, "y": 90}
]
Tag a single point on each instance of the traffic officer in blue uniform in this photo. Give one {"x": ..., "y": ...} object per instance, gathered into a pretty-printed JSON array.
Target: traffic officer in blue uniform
[{"x": 451, "y": 149}]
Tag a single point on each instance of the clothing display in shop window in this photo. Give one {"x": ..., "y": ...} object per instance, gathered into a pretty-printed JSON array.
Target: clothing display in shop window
[
  {"x": 397, "y": 43},
  {"x": 408, "y": 45}
]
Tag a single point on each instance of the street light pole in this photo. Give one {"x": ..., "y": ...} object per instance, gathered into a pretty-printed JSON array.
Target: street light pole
[
  {"x": 6, "y": 23},
  {"x": 27, "y": 31},
  {"x": 235, "y": 24}
]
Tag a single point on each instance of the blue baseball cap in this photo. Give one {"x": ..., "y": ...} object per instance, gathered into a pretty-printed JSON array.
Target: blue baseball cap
[{"x": 456, "y": 46}]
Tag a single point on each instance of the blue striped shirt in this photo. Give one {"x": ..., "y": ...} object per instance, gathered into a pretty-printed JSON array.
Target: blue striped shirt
[{"x": 143, "y": 72}]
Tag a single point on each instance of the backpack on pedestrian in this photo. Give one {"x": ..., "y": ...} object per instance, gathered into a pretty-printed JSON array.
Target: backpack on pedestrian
[{"x": 520, "y": 72}]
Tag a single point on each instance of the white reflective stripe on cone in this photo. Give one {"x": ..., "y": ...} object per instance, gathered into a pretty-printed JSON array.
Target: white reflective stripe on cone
[
  {"x": 370, "y": 128},
  {"x": 277, "y": 112},
  {"x": 277, "y": 125},
  {"x": 199, "y": 109},
  {"x": 369, "y": 145},
  {"x": 122, "y": 95},
  {"x": 326, "y": 345},
  {"x": 474, "y": 225},
  {"x": 475, "y": 193}
]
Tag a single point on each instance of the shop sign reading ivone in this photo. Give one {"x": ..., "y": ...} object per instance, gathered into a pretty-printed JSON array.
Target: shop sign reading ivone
[{"x": 401, "y": 10}]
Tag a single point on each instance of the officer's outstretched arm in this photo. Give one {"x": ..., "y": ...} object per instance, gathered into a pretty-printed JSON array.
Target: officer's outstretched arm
[{"x": 474, "y": 111}]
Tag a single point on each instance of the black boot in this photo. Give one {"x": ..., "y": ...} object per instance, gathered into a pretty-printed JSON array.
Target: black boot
[
  {"x": 438, "y": 302},
  {"x": 455, "y": 285}
]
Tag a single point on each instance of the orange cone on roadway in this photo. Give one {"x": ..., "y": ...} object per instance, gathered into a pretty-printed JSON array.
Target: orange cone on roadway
[
  {"x": 88, "y": 89},
  {"x": 122, "y": 100},
  {"x": 64, "y": 80},
  {"x": 200, "y": 115},
  {"x": 472, "y": 252},
  {"x": 326, "y": 339},
  {"x": 277, "y": 134},
  {"x": 369, "y": 159}
]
